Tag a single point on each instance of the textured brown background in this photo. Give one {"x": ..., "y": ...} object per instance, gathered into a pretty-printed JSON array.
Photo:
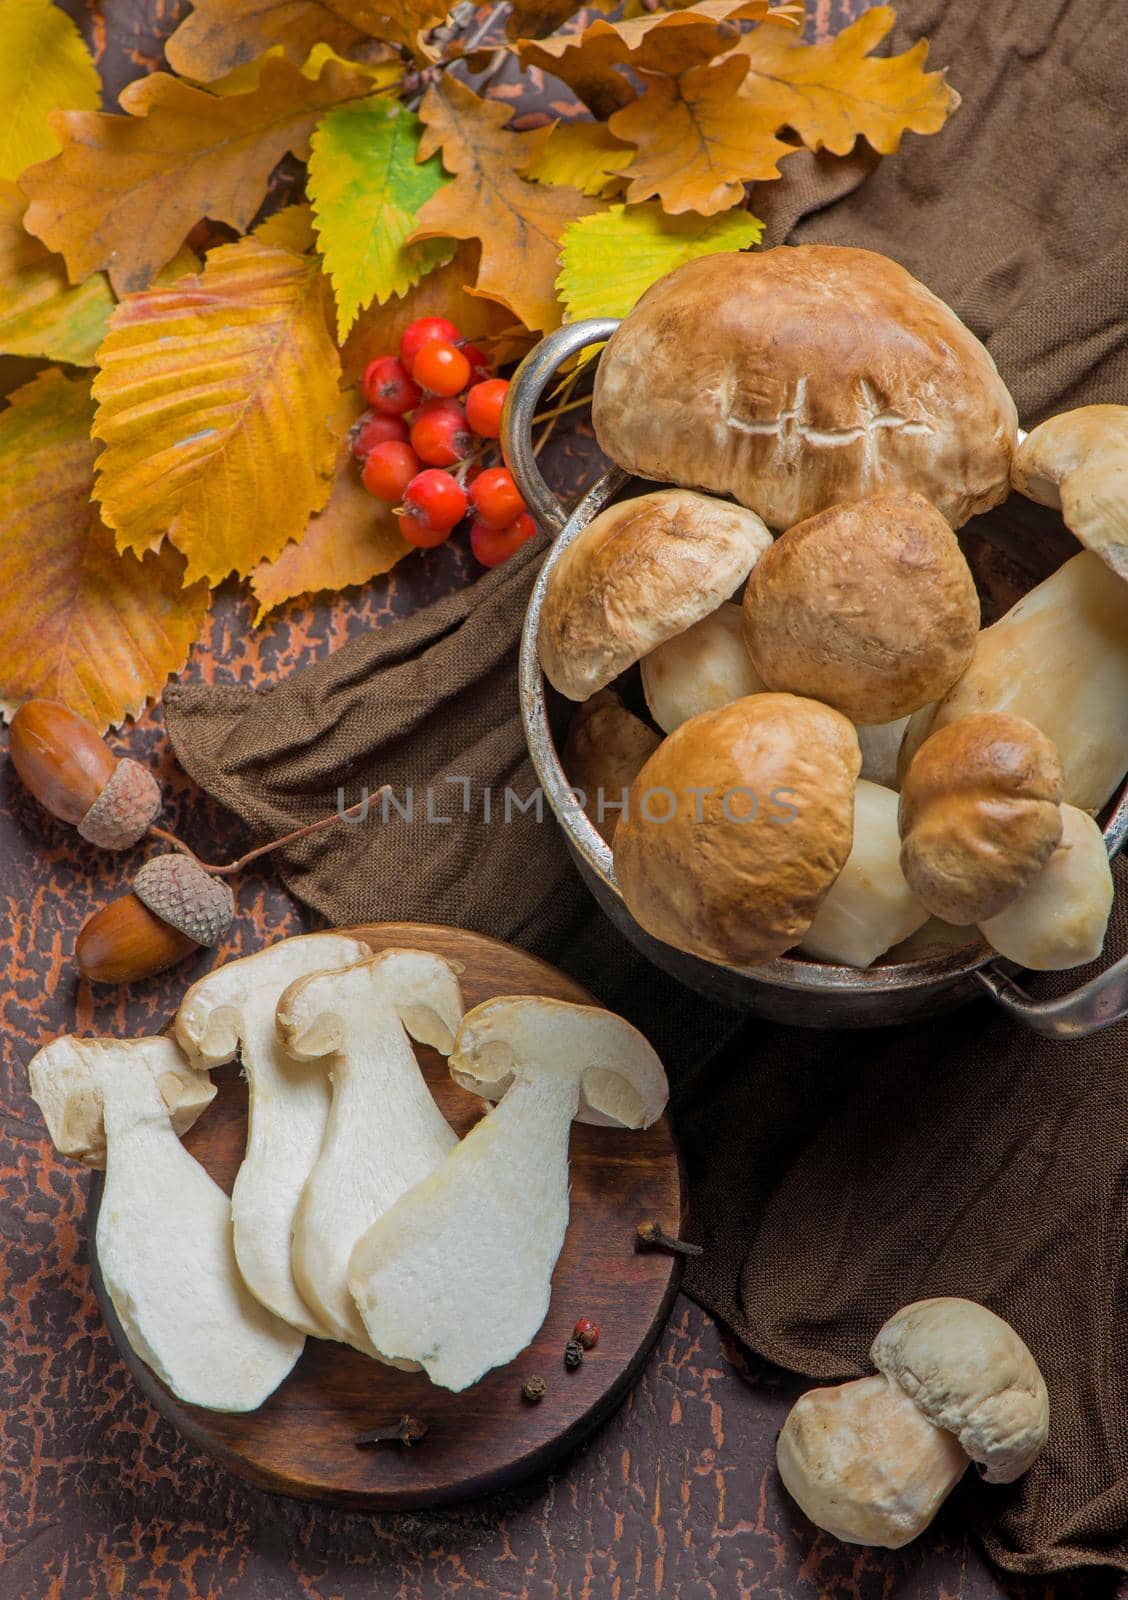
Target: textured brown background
[{"x": 675, "y": 1497}]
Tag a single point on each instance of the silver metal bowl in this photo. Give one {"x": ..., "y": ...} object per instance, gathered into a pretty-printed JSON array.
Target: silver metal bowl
[{"x": 790, "y": 990}]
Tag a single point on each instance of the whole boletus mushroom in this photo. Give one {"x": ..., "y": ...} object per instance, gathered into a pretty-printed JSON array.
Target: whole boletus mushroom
[
  {"x": 1077, "y": 463},
  {"x": 872, "y": 1461}
]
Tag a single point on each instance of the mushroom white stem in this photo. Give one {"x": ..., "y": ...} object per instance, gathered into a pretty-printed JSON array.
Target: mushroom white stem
[
  {"x": 164, "y": 1241},
  {"x": 229, "y": 1011},
  {"x": 457, "y": 1275},
  {"x": 385, "y": 1133}
]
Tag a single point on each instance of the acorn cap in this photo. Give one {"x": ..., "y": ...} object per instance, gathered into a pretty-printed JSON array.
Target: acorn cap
[
  {"x": 179, "y": 891},
  {"x": 123, "y": 811}
]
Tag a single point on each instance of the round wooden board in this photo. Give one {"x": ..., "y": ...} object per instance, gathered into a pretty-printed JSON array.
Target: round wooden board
[{"x": 302, "y": 1441}]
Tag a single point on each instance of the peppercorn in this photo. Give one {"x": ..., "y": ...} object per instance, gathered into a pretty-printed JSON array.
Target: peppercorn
[
  {"x": 573, "y": 1354},
  {"x": 535, "y": 1389},
  {"x": 587, "y": 1332}
]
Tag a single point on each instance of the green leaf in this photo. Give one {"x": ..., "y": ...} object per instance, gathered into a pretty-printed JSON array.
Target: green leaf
[
  {"x": 367, "y": 187},
  {"x": 610, "y": 259},
  {"x": 44, "y": 67},
  {"x": 40, "y": 313}
]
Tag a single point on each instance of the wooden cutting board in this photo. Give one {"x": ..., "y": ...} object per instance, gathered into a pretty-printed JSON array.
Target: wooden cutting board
[{"x": 302, "y": 1441}]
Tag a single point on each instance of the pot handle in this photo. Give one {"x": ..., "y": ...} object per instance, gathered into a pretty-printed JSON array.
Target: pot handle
[
  {"x": 1096, "y": 1004},
  {"x": 529, "y": 383}
]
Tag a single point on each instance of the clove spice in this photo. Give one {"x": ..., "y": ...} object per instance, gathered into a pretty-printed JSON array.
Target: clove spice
[
  {"x": 408, "y": 1430},
  {"x": 651, "y": 1236}
]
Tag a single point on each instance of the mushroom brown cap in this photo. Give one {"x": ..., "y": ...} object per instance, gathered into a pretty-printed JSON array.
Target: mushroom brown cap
[
  {"x": 639, "y": 573},
  {"x": 603, "y": 754},
  {"x": 1077, "y": 463},
  {"x": 971, "y": 1374},
  {"x": 820, "y": 374},
  {"x": 869, "y": 606},
  {"x": 738, "y": 825},
  {"x": 980, "y": 815}
]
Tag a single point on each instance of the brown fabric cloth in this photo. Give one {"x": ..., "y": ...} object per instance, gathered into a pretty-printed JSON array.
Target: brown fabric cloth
[{"x": 833, "y": 1177}]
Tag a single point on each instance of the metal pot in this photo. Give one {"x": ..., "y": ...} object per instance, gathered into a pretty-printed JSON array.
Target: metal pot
[{"x": 790, "y": 990}]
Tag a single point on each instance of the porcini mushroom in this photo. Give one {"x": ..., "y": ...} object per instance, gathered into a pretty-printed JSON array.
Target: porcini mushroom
[
  {"x": 603, "y": 754},
  {"x": 230, "y": 1011},
  {"x": 1059, "y": 658},
  {"x": 1060, "y": 919},
  {"x": 639, "y": 573},
  {"x": 1077, "y": 463},
  {"x": 458, "y": 1274},
  {"x": 385, "y": 1133},
  {"x": 164, "y": 1238},
  {"x": 872, "y": 1461},
  {"x": 880, "y": 744},
  {"x": 705, "y": 667},
  {"x": 869, "y": 907}
]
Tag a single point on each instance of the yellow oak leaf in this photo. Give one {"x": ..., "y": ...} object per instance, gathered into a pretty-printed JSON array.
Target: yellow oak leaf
[
  {"x": 79, "y": 623},
  {"x": 831, "y": 93},
  {"x": 367, "y": 188},
  {"x": 44, "y": 67},
  {"x": 586, "y": 155},
  {"x": 442, "y": 293},
  {"x": 124, "y": 191},
  {"x": 288, "y": 229},
  {"x": 608, "y": 261},
  {"x": 518, "y": 223},
  {"x": 354, "y": 539},
  {"x": 590, "y": 61},
  {"x": 220, "y": 35},
  {"x": 216, "y": 402},
  {"x": 698, "y": 142},
  {"x": 41, "y": 314}
]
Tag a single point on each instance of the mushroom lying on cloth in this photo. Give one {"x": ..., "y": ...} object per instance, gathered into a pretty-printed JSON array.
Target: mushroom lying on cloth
[
  {"x": 1078, "y": 464},
  {"x": 738, "y": 825},
  {"x": 385, "y": 1133},
  {"x": 872, "y": 1461},
  {"x": 164, "y": 1237},
  {"x": 458, "y": 1274},
  {"x": 869, "y": 606},
  {"x": 1059, "y": 658},
  {"x": 820, "y": 374},
  {"x": 231, "y": 1011},
  {"x": 603, "y": 754},
  {"x": 639, "y": 573}
]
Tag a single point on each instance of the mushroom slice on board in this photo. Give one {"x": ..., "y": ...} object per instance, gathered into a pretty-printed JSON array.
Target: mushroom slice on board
[
  {"x": 457, "y": 1275},
  {"x": 1077, "y": 463},
  {"x": 164, "y": 1236},
  {"x": 385, "y": 1133},
  {"x": 230, "y": 1011}
]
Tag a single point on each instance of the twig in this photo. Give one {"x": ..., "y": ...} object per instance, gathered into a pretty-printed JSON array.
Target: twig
[
  {"x": 551, "y": 417},
  {"x": 650, "y": 1236},
  {"x": 265, "y": 849}
]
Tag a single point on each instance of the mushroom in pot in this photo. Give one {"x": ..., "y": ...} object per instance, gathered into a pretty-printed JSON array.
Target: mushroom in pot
[{"x": 1078, "y": 463}]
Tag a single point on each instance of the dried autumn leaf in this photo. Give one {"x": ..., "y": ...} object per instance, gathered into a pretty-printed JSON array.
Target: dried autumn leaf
[
  {"x": 831, "y": 93},
  {"x": 219, "y": 35},
  {"x": 586, "y": 155},
  {"x": 590, "y": 61},
  {"x": 288, "y": 229},
  {"x": 216, "y": 401},
  {"x": 44, "y": 67},
  {"x": 41, "y": 314},
  {"x": 532, "y": 19},
  {"x": 608, "y": 261},
  {"x": 441, "y": 294},
  {"x": 354, "y": 539},
  {"x": 367, "y": 187},
  {"x": 518, "y": 223},
  {"x": 698, "y": 142},
  {"x": 78, "y": 623},
  {"x": 125, "y": 191}
]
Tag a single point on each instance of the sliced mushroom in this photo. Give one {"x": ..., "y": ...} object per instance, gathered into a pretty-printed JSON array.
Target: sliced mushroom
[
  {"x": 1060, "y": 919},
  {"x": 458, "y": 1274},
  {"x": 164, "y": 1236},
  {"x": 385, "y": 1133},
  {"x": 1059, "y": 658},
  {"x": 869, "y": 907},
  {"x": 1078, "y": 464},
  {"x": 229, "y": 1011},
  {"x": 705, "y": 667},
  {"x": 872, "y": 1461}
]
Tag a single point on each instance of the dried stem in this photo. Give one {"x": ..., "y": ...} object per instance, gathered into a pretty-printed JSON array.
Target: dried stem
[
  {"x": 408, "y": 1430},
  {"x": 651, "y": 1236},
  {"x": 551, "y": 417},
  {"x": 231, "y": 867}
]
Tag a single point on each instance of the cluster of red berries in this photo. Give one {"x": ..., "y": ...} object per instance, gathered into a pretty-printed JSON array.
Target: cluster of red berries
[{"x": 431, "y": 406}]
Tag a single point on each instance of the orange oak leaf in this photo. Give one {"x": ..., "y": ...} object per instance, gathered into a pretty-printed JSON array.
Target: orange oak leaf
[
  {"x": 674, "y": 41},
  {"x": 125, "y": 190},
  {"x": 442, "y": 293},
  {"x": 831, "y": 93},
  {"x": 532, "y": 19},
  {"x": 79, "y": 623},
  {"x": 354, "y": 539},
  {"x": 218, "y": 35},
  {"x": 517, "y": 222},
  {"x": 217, "y": 400},
  {"x": 698, "y": 142}
]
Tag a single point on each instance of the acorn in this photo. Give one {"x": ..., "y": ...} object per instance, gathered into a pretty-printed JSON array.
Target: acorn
[
  {"x": 63, "y": 764},
  {"x": 176, "y": 907}
]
